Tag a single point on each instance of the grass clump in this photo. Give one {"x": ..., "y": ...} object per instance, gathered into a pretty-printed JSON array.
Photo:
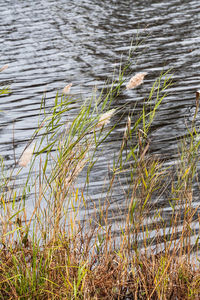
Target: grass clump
[{"x": 60, "y": 250}]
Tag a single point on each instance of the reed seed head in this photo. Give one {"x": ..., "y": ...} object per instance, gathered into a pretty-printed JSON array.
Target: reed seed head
[
  {"x": 105, "y": 118},
  {"x": 67, "y": 89},
  {"x": 136, "y": 80},
  {"x": 3, "y": 68},
  {"x": 78, "y": 168},
  {"x": 26, "y": 156}
]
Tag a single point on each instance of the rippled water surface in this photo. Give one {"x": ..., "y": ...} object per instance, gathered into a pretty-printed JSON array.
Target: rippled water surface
[{"x": 48, "y": 44}]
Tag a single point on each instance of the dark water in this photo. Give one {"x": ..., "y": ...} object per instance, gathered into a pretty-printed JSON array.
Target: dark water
[{"x": 48, "y": 44}]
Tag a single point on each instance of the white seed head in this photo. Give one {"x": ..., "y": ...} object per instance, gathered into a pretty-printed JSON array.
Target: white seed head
[
  {"x": 136, "y": 80},
  {"x": 105, "y": 118},
  {"x": 78, "y": 168},
  {"x": 67, "y": 89},
  {"x": 3, "y": 68},
  {"x": 26, "y": 156}
]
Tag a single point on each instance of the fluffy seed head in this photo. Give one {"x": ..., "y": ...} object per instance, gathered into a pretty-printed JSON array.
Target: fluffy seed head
[
  {"x": 78, "y": 168},
  {"x": 67, "y": 89},
  {"x": 3, "y": 68},
  {"x": 26, "y": 156},
  {"x": 105, "y": 118},
  {"x": 136, "y": 80}
]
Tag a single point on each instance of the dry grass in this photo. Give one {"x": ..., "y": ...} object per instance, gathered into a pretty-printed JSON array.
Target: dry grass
[{"x": 71, "y": 267}]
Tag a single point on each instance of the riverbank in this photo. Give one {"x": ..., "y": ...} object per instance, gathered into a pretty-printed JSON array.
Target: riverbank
[{"x": 55, "y": 254}]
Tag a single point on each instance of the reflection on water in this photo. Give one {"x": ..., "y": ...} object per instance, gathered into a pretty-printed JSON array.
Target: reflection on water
[{"x": 48, "y": 44}]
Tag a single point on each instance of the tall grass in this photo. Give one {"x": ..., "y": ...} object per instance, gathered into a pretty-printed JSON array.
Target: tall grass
[{"x": 51, "y": 253}]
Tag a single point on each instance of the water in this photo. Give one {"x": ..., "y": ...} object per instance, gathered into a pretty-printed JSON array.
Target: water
[{"x": 48, "y": 44}]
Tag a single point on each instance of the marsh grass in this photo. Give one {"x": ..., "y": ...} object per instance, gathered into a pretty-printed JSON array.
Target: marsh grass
[{"x": 52, "y": 253}]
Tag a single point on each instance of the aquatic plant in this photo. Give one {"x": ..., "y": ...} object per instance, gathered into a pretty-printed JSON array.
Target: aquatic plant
[{"x": 63, "y": 251}]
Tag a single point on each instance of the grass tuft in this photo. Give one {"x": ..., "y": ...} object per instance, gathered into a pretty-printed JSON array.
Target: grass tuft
[{"x": 60, "y": 250}]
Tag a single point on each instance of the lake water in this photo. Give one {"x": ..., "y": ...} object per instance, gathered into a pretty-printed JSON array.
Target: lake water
[{"x": 48, "y": 44}]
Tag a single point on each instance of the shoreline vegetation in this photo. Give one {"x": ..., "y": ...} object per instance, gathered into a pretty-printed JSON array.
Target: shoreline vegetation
[{"x": 52, "y": 254}]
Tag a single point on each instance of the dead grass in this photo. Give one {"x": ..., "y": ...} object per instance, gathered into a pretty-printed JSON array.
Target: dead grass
[{"x": 71, "y": 268}]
